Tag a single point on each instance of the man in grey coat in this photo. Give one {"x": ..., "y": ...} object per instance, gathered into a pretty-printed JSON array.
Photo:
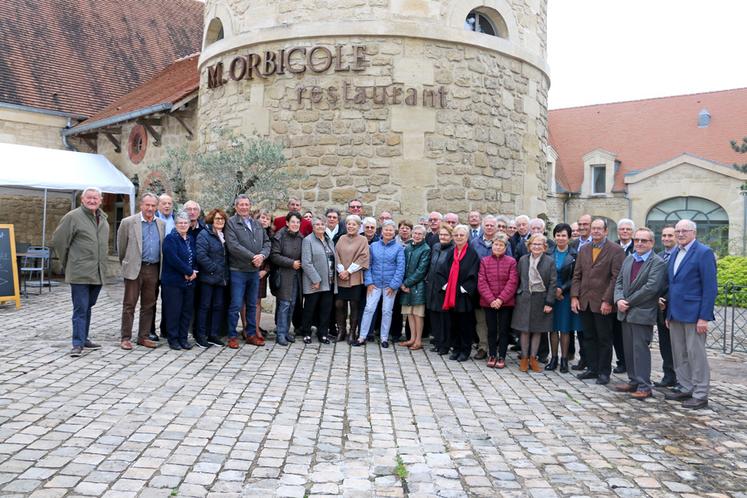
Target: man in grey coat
[
  {"x": 248, "y": 246},
  {"x": 82, "y": 244},
  {"x": 637, "y": 290}
]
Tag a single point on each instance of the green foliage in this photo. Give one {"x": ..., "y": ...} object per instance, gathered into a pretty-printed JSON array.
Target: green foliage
[
  {"x": 236, "y": 165},
  {"x": 732, "y": 271},
  {"x": 400, "y": 469}
]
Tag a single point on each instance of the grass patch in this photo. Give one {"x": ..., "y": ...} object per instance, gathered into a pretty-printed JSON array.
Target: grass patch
[{"x": 400, "y": 469}]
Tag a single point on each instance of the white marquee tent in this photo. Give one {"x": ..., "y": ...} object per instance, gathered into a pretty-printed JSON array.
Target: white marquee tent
[{"x": 24, "y": 166}]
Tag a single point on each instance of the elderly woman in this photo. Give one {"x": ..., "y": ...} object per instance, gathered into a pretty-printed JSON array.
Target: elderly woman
[
  {"x": 178, "y": 274},
  {"x": 369, "y": 229},
  {"x": 285, "y": 256},
  {"x": 497, "y": 282},
  {"x": 404, "y": 233},
  {"x": 434, "y": 301},
  {"x": 352, "y": 259},
  {"x": 459, "y": 271},
  {"x": 265, "y": 219},
  {"x": 319, "y": 280},
  {"x": 564, "y": 320},
  {"x": 412, "y": 298},
  {"x": 382, "y": 280},
  {"x": 534, "y": 300},
  {"x": 212, "y": 263}
]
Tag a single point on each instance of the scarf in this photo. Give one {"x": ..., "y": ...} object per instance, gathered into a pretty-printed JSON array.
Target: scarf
[
  {"x": 535, "y": 279},
  {"x": 451, "y": 285}
]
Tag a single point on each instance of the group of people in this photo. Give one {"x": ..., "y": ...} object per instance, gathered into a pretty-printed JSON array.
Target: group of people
[{"x": 484, "y": 284}]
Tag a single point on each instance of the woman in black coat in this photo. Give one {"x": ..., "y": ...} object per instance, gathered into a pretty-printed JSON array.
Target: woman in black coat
[
  {"x": 459, "y": 270},
  {"x": 434, "y": 296},
  {"x": 213, "y": 277},
  {"x": 286, "y": 258}
]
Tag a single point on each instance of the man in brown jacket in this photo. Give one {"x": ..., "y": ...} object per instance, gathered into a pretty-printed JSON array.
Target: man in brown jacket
[{"x": 592, "y": 295}]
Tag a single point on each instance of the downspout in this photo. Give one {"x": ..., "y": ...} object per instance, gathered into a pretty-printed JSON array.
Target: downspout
[{"x": 67, "y": 144}]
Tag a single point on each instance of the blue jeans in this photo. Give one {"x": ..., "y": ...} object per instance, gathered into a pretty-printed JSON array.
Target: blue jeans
[
  {"x": 178, "y": 306},
  {"x": 285, "y": 311},
  {"x": 244, "y": 290},
  {"x": 211, "y": 310},
  {"x": 372, "y": 300},
  {"x": 84, "y": 298}
]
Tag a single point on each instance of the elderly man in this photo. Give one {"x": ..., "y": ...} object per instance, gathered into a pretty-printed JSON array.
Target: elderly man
[
  {"x": 519, "y": 238},
  {"x": 637, "y": 289},
  {"x": 574, "y": 231},
  {"x": 81, "y": 242},
  {"x": 690, "y": 302},
  {"x": 165, "y": 211},
  {"x": 434, "y": 223},
  {"x": 592, "y": 294},
  {"x": 196, "y": 225},
  {"x": 248, "y": 246},
  {"x": 452, "y": 219},
  {"x": 537, "y": 227},
  {"x": 511, "y": 228},
  {"x": 669, "y": 379},
  {"x": 294, "y": 205},
  {"x": 383, "y": 216},
  {"x": 475, "y": 221},
  {"x": 139, "y": 241},
  {"x": 625, "y": 229}
]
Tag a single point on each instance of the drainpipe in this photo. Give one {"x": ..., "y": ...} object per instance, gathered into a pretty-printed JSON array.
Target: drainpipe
[
  {"x": 67, "y": 144},
  {"x": 743, "y": 192}
]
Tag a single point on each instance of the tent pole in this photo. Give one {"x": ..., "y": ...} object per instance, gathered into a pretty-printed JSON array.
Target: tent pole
[{"x": 44, "y": 221}]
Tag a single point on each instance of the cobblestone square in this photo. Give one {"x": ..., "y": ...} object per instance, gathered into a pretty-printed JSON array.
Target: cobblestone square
[{"x": 331, "y": 420}]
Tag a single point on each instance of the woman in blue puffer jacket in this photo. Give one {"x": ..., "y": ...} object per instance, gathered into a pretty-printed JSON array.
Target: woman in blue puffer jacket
[{"x": 383, "y": 278}]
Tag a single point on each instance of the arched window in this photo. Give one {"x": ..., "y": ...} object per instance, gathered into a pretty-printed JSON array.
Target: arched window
[
  {"x": 712, "y": 220},
  {"x": 214, "y": 31},
  {"x": 487, "y": 21}
]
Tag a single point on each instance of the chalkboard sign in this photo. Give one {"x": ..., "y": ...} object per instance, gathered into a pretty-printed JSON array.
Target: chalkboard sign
[{"x": 9, "y": 289}]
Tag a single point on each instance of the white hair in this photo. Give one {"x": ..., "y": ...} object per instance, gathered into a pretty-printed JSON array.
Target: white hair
[
  {"x": 368, "y": 220},
  {"x": 690, "y": 224},
  {"x": 626, "y": 221},
  {"x": 462, "y": 227},
  {"x": 353, "y": 217},
  {"x": 521, "y": 217},
  {"x": 419, "y": 228},
  {"x": 91, "y": 189},
  {"x": 537, "y": 221}
]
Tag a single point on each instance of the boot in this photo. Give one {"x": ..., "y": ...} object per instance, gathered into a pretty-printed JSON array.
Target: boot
[
  {"x": 353, "y": 336},
  {"x": 534, "y": 365},
  {"x": 341, "y": 334},
  {"x": 581, "y": 365},
  {"x": 553, "y": 363},
  {"x": 524, "y": 365},
  {"x": 563, "y": 366}
]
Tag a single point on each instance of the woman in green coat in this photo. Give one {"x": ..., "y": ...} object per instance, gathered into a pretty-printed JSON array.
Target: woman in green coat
[{"x": 412, "y": 298}]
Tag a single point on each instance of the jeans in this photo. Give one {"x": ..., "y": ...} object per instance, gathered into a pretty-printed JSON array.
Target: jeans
[
  {"x": 84, "y": 298},
  {"x": 386, "y": 313},
  {"x": 285, "y": 311},
  {"x": 178, "y": 306},
  {"x": 211, "y": 311},
  {"x": 244, "y": 290}
]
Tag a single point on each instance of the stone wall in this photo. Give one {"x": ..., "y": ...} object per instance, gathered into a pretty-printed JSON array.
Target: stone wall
[
  {"x": 31, "y": 128},
  {"x": 613, "y": 207}
]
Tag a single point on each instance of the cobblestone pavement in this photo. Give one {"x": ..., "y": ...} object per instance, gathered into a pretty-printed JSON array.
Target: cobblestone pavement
[{"x": 333, "y": 420}]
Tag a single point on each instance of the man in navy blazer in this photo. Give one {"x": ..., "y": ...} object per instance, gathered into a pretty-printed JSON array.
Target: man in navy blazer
[{"x": 691, "y": 298}]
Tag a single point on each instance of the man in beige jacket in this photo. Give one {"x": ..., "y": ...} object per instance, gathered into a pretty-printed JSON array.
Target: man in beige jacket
[{"x": 139, "y": 241}]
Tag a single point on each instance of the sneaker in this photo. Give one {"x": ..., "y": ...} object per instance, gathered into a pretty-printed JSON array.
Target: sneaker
[
  {"x": 233, "y": 343},
  {"x": 215, "y": 341},
  {"x": 202, "y": 343},
  {"x": 76, "y": 352},
  {"x": 91, "y": 345}
]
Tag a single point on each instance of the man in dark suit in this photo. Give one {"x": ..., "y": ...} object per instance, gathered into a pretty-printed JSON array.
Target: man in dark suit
[
  {"x": 692, "y": 296},
  {"x": 665, "y": 346},
  {"x": 592, "y": 294},
  {"x": 434, "y": 223},
  {"x": 583, "y": 237},
  {"x": 625, "y": 229},
  {"x": 637, "y": 289},
  {"x": 519, "y": 239},
  {"x": 474, "y": 218}
]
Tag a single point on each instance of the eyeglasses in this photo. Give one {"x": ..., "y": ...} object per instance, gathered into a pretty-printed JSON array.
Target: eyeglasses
[
  {"x": 369, "y": 228},
  {"x": 444, "y": 234},
  {"x": 642, "y": 240},
  {"x": 500, "y": 226}
]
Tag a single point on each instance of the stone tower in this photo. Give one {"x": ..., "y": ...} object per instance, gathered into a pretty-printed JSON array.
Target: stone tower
[{"x": 409, "y": 105}]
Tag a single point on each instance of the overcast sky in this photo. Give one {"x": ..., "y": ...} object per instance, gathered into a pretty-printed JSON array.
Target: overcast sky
[{"x": 611, "y": 50}]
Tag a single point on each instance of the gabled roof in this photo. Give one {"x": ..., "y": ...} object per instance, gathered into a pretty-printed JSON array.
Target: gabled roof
[
  {"x": 77, "y": 56},
  {"x": 645, "y": 133},
  {"x": 175, "y": 83}
]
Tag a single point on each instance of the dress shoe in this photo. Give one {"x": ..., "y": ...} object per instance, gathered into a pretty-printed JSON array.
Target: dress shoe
[
  {"x": 563, "y": 366},
  {"x": 186, "y": 345},
  {"x": 581, "y": 365},
  {"x": 620, "y": 369},
  {"x": 481, "y": 354},
  {"x": 553, "y": 363},
  {"x": 354, "y": 343},
  {"x": 255, "y": 341},
  {"x": 443, "y": 352},
  {"x": 324, "y": 339},
  {"x": 384, "y": 344},
  {"x": 233, "y": 343},
  {"x": 695, "y": 403},
  {"x": 127, "y": 345},
  {"x": 641, "y": 395},
  {"x": 307, "y": 339},
  {"x": 153, "y": 337},
  {"x": 91, "y": 345},
  {"x": 534, "y": 365},
  {"x": 291, "y": 338},
  {"x": 454, "y": 356},
  {"x": 678, "y": 395},
  {"x": 626, "y": 388},
  {"x": 147, "y": 343},
  {"x": 491, "y": 362},
  {"x": 175, "y": 346},
  {"x": 463, "y": 357},
  {"x": 666, "y": 383},
  {"x": 524, "y": 365},
  {"x": 603, "y": 379},
  {"x": 587, "y": 375}
]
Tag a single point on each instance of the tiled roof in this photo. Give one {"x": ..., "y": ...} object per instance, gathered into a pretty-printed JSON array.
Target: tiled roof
[
  {"x": 77, "y": 56},
  {"x": 645, "y": 133},
  {"x": 171, "y": 85}
]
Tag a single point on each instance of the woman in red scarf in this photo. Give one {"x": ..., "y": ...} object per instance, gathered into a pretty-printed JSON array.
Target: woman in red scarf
[{"x": 459, "y": 271}]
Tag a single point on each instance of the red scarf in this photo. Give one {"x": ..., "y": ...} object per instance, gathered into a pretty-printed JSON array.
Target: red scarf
[{"x": 451, "y": 285}]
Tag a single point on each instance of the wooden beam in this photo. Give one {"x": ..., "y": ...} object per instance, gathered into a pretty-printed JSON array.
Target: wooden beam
[
  {"x": 150, "y": 121},
  {"x": 190, "y": 135},
  {"x": 114, "y": 141}
]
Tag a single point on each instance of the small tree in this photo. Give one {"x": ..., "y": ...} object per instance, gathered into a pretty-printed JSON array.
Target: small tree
[{"x": 238, "y": 165}]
